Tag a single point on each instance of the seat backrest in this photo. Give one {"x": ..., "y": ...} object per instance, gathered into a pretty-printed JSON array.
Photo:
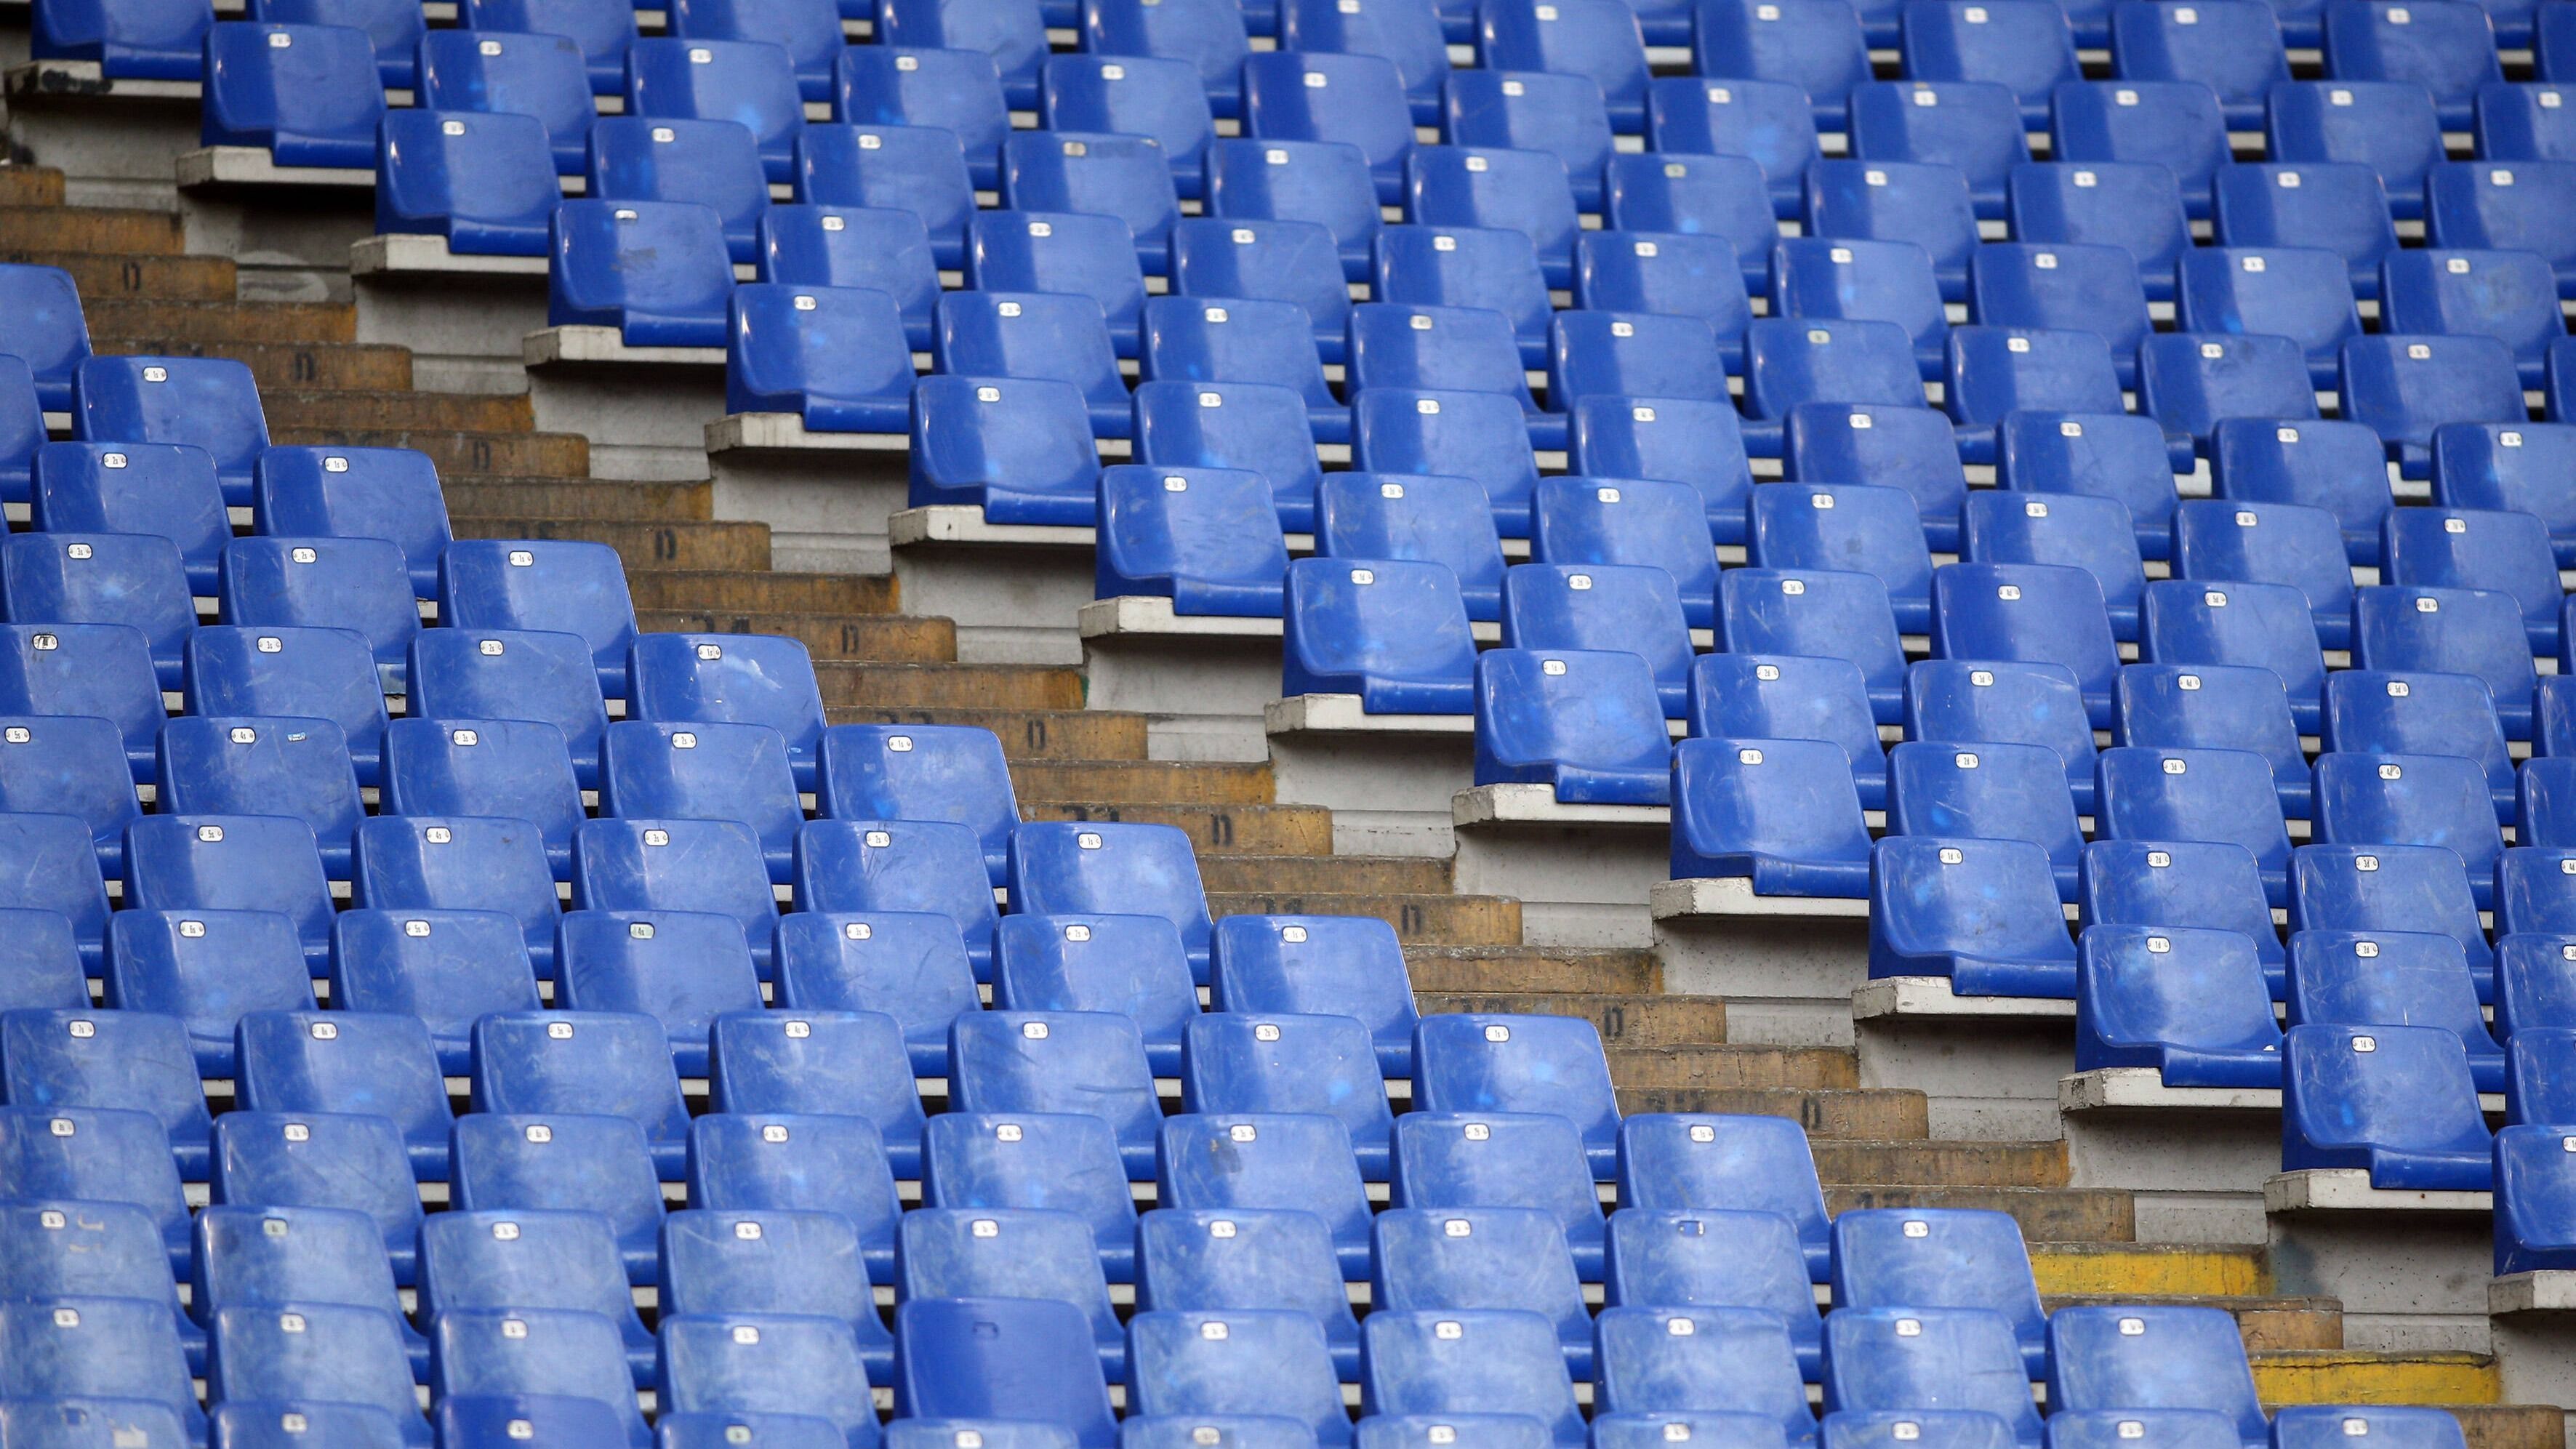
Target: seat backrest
[
  {"x": 2144, "y": 990},
  {"x": 2036, "y": 613},
  {"x": 1742, "y": 1353},
  {"x": 596, "y": 1063},
  {"x": 2462, "y": 631},
  {"x": 304, "y": 92},
  {"x": 2132, "y": 204},
  {"x": 658, "y": 271},
  {"x": 1820, "y": 613},
  {"x": 479, "y": 1353},
  {"x": 667, "y": 158},
  {"x": 1067, "y": 1161},
  {"x": 1440, "y": 1360},
  {"x": 1475, "y": 435},
  {"x": 1343, "y": 965},
  {"x": 991, "y": 1357},
  {"x": 1939, "y": 1358},
  {"x": 2105, "y": 455},
  {"x": 2149, "y": 1357},
  {"x": 2192, "y": 382},
  {"x": 910, "y": 965},
  {"x": 766, "y": 1362},
  {"x": 565, "y": 1161},
  {"x": 926, "y": 87},
  {"x": 98, "y": 1349}
]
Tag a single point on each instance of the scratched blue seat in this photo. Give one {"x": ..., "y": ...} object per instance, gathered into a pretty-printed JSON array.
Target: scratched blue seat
[
  {"x": 597, "y": 1063},
  {"x": 2392, "y": 978},
  {"x": 2191, "y": 383},
  {"x": 881, "y": 206},
  {"x": 1682, "y": 440},
  {"x": 2429, "y": 800},
  {"x": 753, "y": 82},
  {"x": 1818, "y": 613},
  {"x": 2137, "y": 205},
  {"x": 680, "y": 968},
  {"x": 2064, "y": 286},
  {"x": 1321, "y": 183},
  {"x": 1634, "y": 522},
  {"x": 2275, "y": 543},
  {"x": 2395, "y": 1101},
  {"x": 2104, "y": 455},
  {"x": 1186, "y": 339},
  {"x": 2389, "y": 888},
  {"x": 1065, "y": 1161},
  {"x": 1852, "y": 527},
  {"x": 2093, "y": 534},
  {"x": 1815, "y": 45},
  {"x": 2447, "y": 51},
  {"x": 1881, "y": 1359},
  {"x": 1723, "y": 156},
  {"x": 2039, "y": 613},
  {"x": 1780, "y": 814},
  {"x": 715, "y": 866},
  {"x": 658, "y": 271},
  {"x": 2019, "y": 46},
  {"x": 1394, "y": 632},
  {"x": 1983, "y": 913},
  {"x": 1955, "y": 702},
  {"x": 1921, "y": 202},
  {"x": 487, "y": 184},
  {"x": 2152, "y": 1357},
  {"x": 204, "y": 402},
  {"x": 1260, "y": 427},
  {"x": 1591, "y": 39},
  {"x": 1025, "y": 1253},
  {"x": 873, "y": 866},
  {"x": 1280, "y": 261},
  {"x": 2192, "y": 1003},
  {"x": 2406, "y": 388},
  {"x": 2503, "y": 553},
  {"x": 1306, "y": 964},
  {"x": 1848, "y": 277},
  {"x": 2189, "y": 622},
  {"x": 2302, "y": 293},
  {"x": 2200, "y": 884},
  {"x": 264, "y": 863},
  {"x": 2381, "y": 713},
  {"x": 2234, "y": 47},
  {"x": 2504, "y": 466},
  {"x": 2460, "y": 631},
  {"x": 301, "y": 92},
  {"x": 1975, "y": 126},
  {"x": 836, "y": 357},
  {"x": 159, "y": 41},
  {"x": 1358, "y": 100},
  {"x": 2336, "y": 466},
  {"x": 487, "y": 70},
  {"x": 1988, "y": 791},
  {"x": 1791, "y": 361}
]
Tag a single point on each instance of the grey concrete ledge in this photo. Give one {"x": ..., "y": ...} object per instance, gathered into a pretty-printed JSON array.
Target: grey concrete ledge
[
  {"x": 1150, "y": 616},
  {"x": 1724, "y": 896},
  {"x": 2544, "y": 1292},
  {"x": 964, "y": 523},
  {"x": 561, "y": 346},
  {"x": 787, "y": 433},
  {"x": 252, "y": 166},
  {"x": 2144, "y": 1089},
  {"x": 2345, "y": 1189},
  {"x": 1922, "y": 996},
  {"x": 1341, "y": 714},
  {"x": 1538, "y": 805},
  {"x": 404, "y": 254},
  {"x": 36, "y": 79}
]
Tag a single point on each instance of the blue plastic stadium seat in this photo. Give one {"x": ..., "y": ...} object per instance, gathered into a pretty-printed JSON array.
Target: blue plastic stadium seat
[
  {"x": 2507, "y": 466},
  {"x": 944, "y": 1433},
  {"x": 1010, "y": 1253},
  {"x": 1975, "y": 126},
  {"x": 2336, "y": 206},
  {"x": 1469, "y": 1062},
  {"x": 1273, "y": 1062},
  {"x": 1917, "y": 202},
  {"x": 136, "y": 580},
  {"x": 2522, "y": 123},
  {"x": 1195, "y": 1364},
  {"x": 776, "y": 1261},
  {"x": 596, "y": 1165},
  {"x": 1393, "y": 632},
  {"x": 2396, "y": 1101},
  {"x": 1786, "y": 697},
  {"x": 2276, "y": 543},
  {"x": 324, "y": 1160},
  {"x": 920, "y": 772},
  {"x": 453, "y": 863},
  {"x": 1928, "y": 1358},
  {"x": 1123, "y": 965},
  {"x": 207, "y": 402},
  {"x": 810, "y": 31},
  {"x": 1407, "y": 33},
  {"x": 1037, "y": 337},
  {"x": 1992, "y": 373},
  {"x": 506, "y": 768},
  {"x": 2530, "y": 898},
  {"x": 768, "y": 1363},
  {"x": 2017, "y": 45},
  {"x": 1583, "y": 521},
  {"x": 1851, "y": 527},
  {"x": 1038, "y": 1160},
  {"x": 2553, "y": 730},
  {"x": 2173, "y": 123},
  {"x": 127, "y": 38},
  {"x": 571, "y": 1060},
  {"x": 1242, "y": 340},
  {"x": 2190, "y": 622},
  {"x": 2421, "y": 714},
  {"x": 659, "y": 272},
  {"x": 103, "y": 1353},
  {"x": 2447, "y": 48},
  {"x": 2386, "y": 125},
  {"x": 1724, "y": 157},
  {"x": 1993, "y": 791},
  {"x": 2404, "y": 388},
  {"x": 1429, "y": 518},
  {"x": 1260, "y": 427},
  {"x": 903, "y": 93},
  {"x": 1939, "y": 1258},
  {"x": 2195, "y": 794},
  {"x": 1754, "y": 1164},
  {"x": 1952, "y": 701},
  {"x": 1591, "y": 39},
  {"x": 1059, "y": 1061},
  {"x": 871, "y": 866},
  {"x": 2234, "y": 47},
  {"x": 885, "y": 248},
  {"x": 1736, "y": 1361},
  {"x": 303, "y": 93},
  {"x": 22, "y": 427},
  {"x": 1493, "y": 268},
  {"x": 1528, "y": 111},
  {"x": 1216, "y": 1259},
  {"x": 444, "y": 967},
  {"x": 2542, "y": 815},
  {"x": 2389, "y": 888},
  {"x": 346, "y": 1061},
  {"x": 1206, "y": 538},
  {"x": 1213, "y": 38},
  {"x": 838, "y": 357},
  {"x": 1096, "y": 172},
  {"x": 53, "y": 337},
  {"x": 122, "y": 1060},
  {"x": 676, "y": 865},
  {"x": 1032, "y": 463},
  {"x": 2457, "y": 631},
  {"x": 1981, "y": 912},
  {"x": 2532, "y": 1209},
  {"x": 1063, "y": 867},
  {"x": 2105, "y": 455},
  {"x": 1439, "y": 1361},
  {"x": 2063, "y": 286},
  {"x": 994, "y": 1357},
  {"x": 106, "y": 1155},
  {"x": 274, "y": 1353},
  {"x": 2509, "y": 296},
  {"x": 753, "y": 82},
  {"x": 392, "y": 31},
  {"x": 831, "y": 1062},
  {"x": 1322, "y": 183},
  {"x": 2191, "y": 382},
  {"x": 422, "y": 184},
  {"x": 1789, "y": 362},
  {"x": 1366, "y": 108},
  {"x": 2505, "y": 206},
  {"x": 133, "y": 488},
  {"x": 1477, "y": 435},
  {"x": 748, "y": 679},
  {"x": 602, "y": 31},
  {"x": 693, "y": 969},
  {"x": 2192, "y": 1003},
  {"x": 790, "y": 1162},
  {"x": 60, "y": 876},
  {"x": 2133, "y": 1356},
  {"x": 1950, "y": 1428},
  {"x": 544, "y": 584},
  {"x": 2453, "y": 548},
  {"x": 1815, "y": 45},
  {"x": 2532, "y": 981},
  {"x": 348, "y": 583},
  {"x": 1269, "y": 1161},
  {"x": 2298, "y": 1426},
  {"x": 1340, "y": 965},
  {"x": 42, "y": 962},
  {"x": 1847, "y": 277},
  {"x": 539, "y": 1371},
  {"x": 2392, "y": 978},
  {"x": 1484, "y": 1157},
  {"x": 1667, "y": 274},
  {"x": 1282, "y": 261},
  {"x": 1681, "y": 440},
  {"x": 2534, "y": 1070},
  {"x": 60, "y": 1248},
  {"x": 355, "y": 493},
  {"x": 2336, "y": 466},
  {"x": 2135, "y": 205},
  {"x": 1816, "y": 613},
  {"x": 2302, "y": 293},
  {"x": 2193, "y": 884},
  {"x": 704, "y": 772},
  {"x": 1721, "y": 1257},
  {"x": 1794, "y": 828},
  {"x": 264, "y": 863},
  {"x": 2037, "y": 613},
  {"x": 2093, "y": 534},
  {"x": 541, "y": 75}
]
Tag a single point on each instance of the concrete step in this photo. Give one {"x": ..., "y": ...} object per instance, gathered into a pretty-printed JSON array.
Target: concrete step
[
  {"x": 1026, "y": 734},
  {"x": 1534, "y": 968},
  {"x": 1709, "y": 1064},
  {"x": 2114, "y": 1269},
  {"x": 2351, "y": 1376},
  {"x": 52, "y": 227},
  {"x": 2056, "y": 1214},
  {"x": 1335, "y": 874},
  {"x": 954, "y": 686},
  {"x": 373, "y": 410},
  {"x": 138, "y": 274},
  {"x": 1212, "y": 829},
  {"x": 502, "y": 494},
  {"x": 1876, "y": 1114},
  {"x": 1442, "y": 920},
  {"x": 2511, "y": 1426},
  {"x": 294, "y": 322},
  {"x": 22, "y": 185},
  {"x": 2269, "y": 1324},
  {"x": 642, "y": 546},
  {"x": 464, "y": 452},
  {"x": 1945, "y": 1160},
  {"x": 1161, "y": 782},
  {"x": 759, "y": 591},
  {"x": 1624, "y": 1020},
  {"x": 882, "y": 638},
  {"x": 281, "y": 364}
]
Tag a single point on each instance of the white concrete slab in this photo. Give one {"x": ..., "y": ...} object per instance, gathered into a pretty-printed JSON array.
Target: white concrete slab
[
  {"x": 569, "y": 345},
  {"x": 404, "y": 254},
  {"x": 1932, "y": 996},
  {"x": 1733, "y": 896},
  {"x": 255, "y": 166},
  {"x": 2348, "y": 1189},
  {"x": 2542, "y": 1292}
]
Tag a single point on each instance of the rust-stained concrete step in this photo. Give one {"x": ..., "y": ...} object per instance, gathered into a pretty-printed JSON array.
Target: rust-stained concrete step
[
  {"x": 1875, "y": 1113},
  {"x": 565, "y": 454},
  {"x": 137, "y": 274},
  {"x": 283, "y": 364},
  {"x": 56, "y": 228},
  {"x": 882, "y": 638},
  {"x": 504, "y": 496},
  {"x": 2056, "y": 1214},
  {"x": 1533, "y": 968},
  {"x": 760, "y": 591},
  {"x": 1330, "y": 874},
  {"x": 293, "y": 322},
  {"x": 22, "y": 185},
  {"x": 642, "y": 547},
  {"x": 1443, "y": 920},
  {"x": 1212, "y": 829},
  {"x": 1945, "y": 1160},
  {"x": 1626, "y": 1020},
  {"x": 1026, "y": 734},
  {"x": 2269, "y": 1324},
  {"x": 378, "y": 410},
  {"x": 1709, "y": 1064},
  {"x": 950, "y": 686},
  {"x": 2511, "y": 1426},
  {"x": 1157, "y": 782}
]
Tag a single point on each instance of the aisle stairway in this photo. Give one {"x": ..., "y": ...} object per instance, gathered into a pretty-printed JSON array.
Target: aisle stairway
[{"x": 1668, "y": 1053}]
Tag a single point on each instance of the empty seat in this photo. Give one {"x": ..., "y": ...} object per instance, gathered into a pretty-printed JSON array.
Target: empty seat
[
  {"x": 2448, "y": 51},
  {"x": 842, "y": 1063},
  {"x": 1815, "y": 45},
  {"x": 1273, "y": 1062},
  {"x": 108, "y": 1155},
  {"x": 355, "y": 493},
  {"x": 885, "y": 248},
  {"x": 59, "y": 876},
  {"x": 495, "y": 1355},
  {"x": 1212, "y": 38},
  {"x": 752, "y": 82},
  {"x": 1477, "y": 435},
  {"x": 1990, "y": 373},
  {"x": 1781, "y": 813},
  {"x": 122, "y": 1060},
  {"x": 1010, "y": 1253},
  {"x": 879, "y": 865},
  {"x": 349, "y": 583},
  {"x": 2032, "y": 612},
  {"x": 837, "y": 357},
  {"x": 523, "y": 1258},
  {"x": 232, "y": 862},
  {"x": 1789, "y": 362},
  {"x": 1242, "y": 340},
  {"x": 2436, "y": 800},
  {"x": 1467, "y": 1063},
  {"x": 1059, "y": 1061},
  {"x": 1960, "y": 1428},
  {"x": 1205, "y": 538},
  {"x": 1097, "y": 172},
  {"x": 1923, "y": 203},
  {"x": 1035, "y": 337},
  {"x": 262, "y": 1352},
  {"x": 1366, "y": 108},
  {"x": 2531, "y": 984},
  {"x": 789, "y": 1162},
  {"x": 1258, "y": 427},
  {"x": 1981, "y": 912},
  {"x": 1493, "y": 268},
  {"x": 2134, "y": 205},
  {"x": 322, "y": 1159},
  {"x": 300, "y": 92},
  {"x": 920, "y": 88},
  {"x": 2388, "y": 888},
  {"x": 1850, "y": 527},
  {"x": 2067, "y": 286},
  {"x": 1819, "y": 613},
  {"x": 2338, "y": 206},
  {"x": 1953, "y": 701},
  {"x": 1208, "y": 1260},
  {"x": 42, "y": 962},
  {"x": 1756, "y": 1164},
  {"x": 291, "y": 767},
  {"x": 1429, "y": 518},
  {"x": 2530, "y": 1203},
  {"x": 1393, "y": 632},
  {"x": 140, "y": 40},
  {"x": 1200, "y": 1364},
  {"x": 2378, "y": 713},
  {"x": 2189, "y": 622},
  {"x": 101, "y": 1352},
  {"x": 2093, "y": 534},
  {"x": 1439, "y": 1361},
  {"x": 1723, "y": 1258},
  {"x": 1939, "y": 1258},
  {"x": 1340, "y": 965},
  {"x": 2532, "y": 1076},
  {"x": 2506, "y": 467},
  {"x": 750, "y": 679},
  {"x": 442, "y": 863},
  {"x": 2173, "y": 123},
  {"x": 1975, "y": 126},
  {"x": 106, "y": 578},
  {"x": 2336, "y": 466},
  {"x": 2304, "y": 1424},
  {"x": 541, "y": 75},
  {"x": 2233, "y": 47},
  {"x": 1785, "y": 697},
  {"x": 422, "y": 184},
  {"x": 2404, "y": 388},
  {"x": 1322, "y": 183},
  {"x": 2504, "y": 553},
  {"x": 59, "y": 1248},
  {"x": 767, "y": 1362},
  {"x": 2505, "y": 206},
  {"x": 94, "y": 670},
  {"x": 1035, "y": 463},
  {"x": 2521, "y": 123},
  {"x": 1928, "y": 1358},
  {"x": 992, "y": 1357},
  {"x": 2195, "y": 794},
  {"x": 733, "y": 772},
  {"x": 1668, "y": 274},
  {"x": 808, "y": 29},
  {"x": 567, "y": 1161},
  {"x": 1123, "y": 965},
  {"x": 275, "y": 670},
  {"x": 167, "y": 489},
  {"x": 1992, "y": 791},
  {"x": 2386, "y": 125},
  {"x": 1558, "y": 115},
  {"x": 1726, "y": 1360},
  {"x": 1488, "y": 1158},
  {"x": 2458, "y": 631},
  {"x": 1846, "y": 277},
  {"x": 2275, "y": 543},
  {"x": 676, "y": 865},
  {"x": 1588, "y": 40},
  {"x": 2392, "y": 978},
  {"x": 1285, "y": 261},
  {"x": 2509, "y": 296},
  {"x": 682, "y": 968},
  {"x": 2190, "y": 1003},
  {"x": 348, "y": 1061},
  {"x": 592, "y": 1062},
  {"x": 2191, "y": 383},
  {"x": 782, "y": 1262},
  {"x": 1723, "y": 157},
  {"x": 1066, "y": 868},
  {"x": 1066, "y": 1161},
  {"x": 2303, "y": 293},
  {"x": 659, "y": 272},
  {"x": 1407, "y": 34},
  {"x": 2134, "y": 1356},
  {"x": 1581, "y": 522},
  {"x": 206, "y": 969},
  {"x": 558, "y": 586},
  {"x": 210, "y": 403},
  {"x": 602, "y": 33},
  {"x": 518, "y": 768},
  {"x": 2016, "y": 45}
]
